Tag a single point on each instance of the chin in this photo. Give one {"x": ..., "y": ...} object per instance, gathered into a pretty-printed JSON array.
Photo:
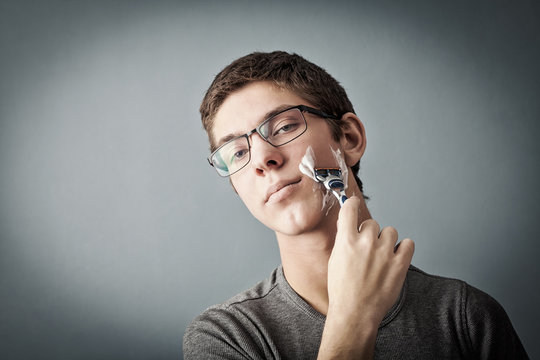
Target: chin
[{"x": 303, "y": 218}]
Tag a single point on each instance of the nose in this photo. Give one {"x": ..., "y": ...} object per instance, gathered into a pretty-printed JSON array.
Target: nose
[{"x": 264, "y": 156}]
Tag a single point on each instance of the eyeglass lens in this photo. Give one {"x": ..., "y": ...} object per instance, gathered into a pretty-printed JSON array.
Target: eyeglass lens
[{"x": 278, "y": 130}]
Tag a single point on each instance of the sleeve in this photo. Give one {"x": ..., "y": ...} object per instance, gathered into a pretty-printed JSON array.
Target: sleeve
[
  {"x": 490, "y": 331},
  {"x": 216, "y": 335}
]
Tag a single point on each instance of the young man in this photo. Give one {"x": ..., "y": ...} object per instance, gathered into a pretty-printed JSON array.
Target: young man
[{"x": 345, "y": 288}]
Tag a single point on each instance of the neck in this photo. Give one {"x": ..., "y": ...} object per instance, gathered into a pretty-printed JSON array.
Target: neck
[{"x": 305, "y": 259}]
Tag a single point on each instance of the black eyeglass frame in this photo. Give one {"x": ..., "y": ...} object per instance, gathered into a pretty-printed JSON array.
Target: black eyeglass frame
[{"x": 302, "y": 108}]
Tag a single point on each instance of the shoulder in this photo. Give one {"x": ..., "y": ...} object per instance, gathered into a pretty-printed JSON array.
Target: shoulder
[
  {"x": 228, "y": 326},
  {"x": 430, "y": 292},
  {"x": 421, "y": 280},
  {"x": 448, "y": 293},
  {"x": 255, "y": 294},
  {"x": 450, "y": 289},
  {"x": 481, "y": 321}
]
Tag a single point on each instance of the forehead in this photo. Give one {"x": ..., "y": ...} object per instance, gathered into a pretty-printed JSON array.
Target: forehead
[{"x": 244, "y": 109}]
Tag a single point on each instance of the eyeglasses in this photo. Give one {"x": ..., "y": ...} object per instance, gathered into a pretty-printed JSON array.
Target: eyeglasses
[{"x": 277, "y": 130}]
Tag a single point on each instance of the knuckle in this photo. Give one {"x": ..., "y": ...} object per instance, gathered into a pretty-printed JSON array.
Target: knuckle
[
  {"x": 389, "y": 231},
  {"x": 364, "y": 239},
  {"x": 406, "y": 249},
  {"x": 370, "y": 224},
  {"x": 409, "y": 243}
]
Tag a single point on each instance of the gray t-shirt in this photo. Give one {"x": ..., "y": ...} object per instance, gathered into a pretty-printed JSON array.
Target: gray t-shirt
[{"x": 434, "y": 318}]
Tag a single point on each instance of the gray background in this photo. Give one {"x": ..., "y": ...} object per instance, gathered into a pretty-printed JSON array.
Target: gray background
[{"x": 114, "y": 231}]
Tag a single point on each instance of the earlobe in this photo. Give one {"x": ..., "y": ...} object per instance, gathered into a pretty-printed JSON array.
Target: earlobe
[{"x": 353, "y": 138}]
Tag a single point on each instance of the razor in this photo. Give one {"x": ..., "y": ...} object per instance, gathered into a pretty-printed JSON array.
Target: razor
[{"x": 332, "y": 179}]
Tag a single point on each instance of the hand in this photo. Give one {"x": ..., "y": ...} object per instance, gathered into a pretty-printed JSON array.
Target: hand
[{"x": 366, "y": 272}]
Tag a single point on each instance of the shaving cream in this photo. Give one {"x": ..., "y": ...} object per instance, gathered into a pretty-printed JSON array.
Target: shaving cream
[{"x": 307, "y": 167}]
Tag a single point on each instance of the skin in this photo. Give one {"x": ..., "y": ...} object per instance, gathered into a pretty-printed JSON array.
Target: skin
[{"x": 338, "y": 260}]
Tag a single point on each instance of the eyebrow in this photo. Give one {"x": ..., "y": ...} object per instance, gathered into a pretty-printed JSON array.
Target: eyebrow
[{"x": 266, "y": 116}]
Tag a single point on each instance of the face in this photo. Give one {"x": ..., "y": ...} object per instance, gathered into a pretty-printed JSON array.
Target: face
[{"x": 271, "y": 185}]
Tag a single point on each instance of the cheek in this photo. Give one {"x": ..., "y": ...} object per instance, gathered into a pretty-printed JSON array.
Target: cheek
[
  {"x": 322, "y": 151},
  {"x": 324, "y": 157},
  {"x": 243, "y": 189},
  {"x": 250, "y": 196}
]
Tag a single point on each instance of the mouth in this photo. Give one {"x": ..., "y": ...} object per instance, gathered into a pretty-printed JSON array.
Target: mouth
[{"x": 281, "y": 190}]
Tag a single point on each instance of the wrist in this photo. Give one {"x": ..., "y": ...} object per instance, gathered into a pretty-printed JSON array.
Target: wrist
[
  {"x": 350, "y": 333},
  {"x": 352, "y": 318},
  {"x": 347, "y": 339}
]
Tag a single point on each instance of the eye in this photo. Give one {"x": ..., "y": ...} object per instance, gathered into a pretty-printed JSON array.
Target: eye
[
  {"x": 237, "y": 155},
  {"x": 240, "y": 154},
  {"x": 285, "y": 127}
]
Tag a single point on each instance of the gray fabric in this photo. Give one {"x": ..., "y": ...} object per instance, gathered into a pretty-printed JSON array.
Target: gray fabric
[{"x": 434, "y": 318}]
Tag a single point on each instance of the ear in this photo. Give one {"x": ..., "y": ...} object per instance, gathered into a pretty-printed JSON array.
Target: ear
[{"x": 353, "y": 138}]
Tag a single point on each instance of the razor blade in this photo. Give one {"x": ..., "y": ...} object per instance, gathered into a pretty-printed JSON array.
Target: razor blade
[{"x": 332, "y": 179}]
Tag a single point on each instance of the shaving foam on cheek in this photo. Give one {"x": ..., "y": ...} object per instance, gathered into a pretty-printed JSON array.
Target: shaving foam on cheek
[
  {"x": 342, "y": 165},
  {"x": 328, "y": 200},
  {"x": 307, "y": 165}
]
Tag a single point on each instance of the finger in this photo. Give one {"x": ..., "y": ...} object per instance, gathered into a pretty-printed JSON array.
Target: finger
[
  {"x": 405, "y": 250},
  {"x": 371, "y": 228},
  {"x": 389, "y": 235},
  {"x": 348, "y": 215}
]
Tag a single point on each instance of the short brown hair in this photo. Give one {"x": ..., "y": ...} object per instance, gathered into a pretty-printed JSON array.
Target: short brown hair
[{"x": 288, "y": 71}]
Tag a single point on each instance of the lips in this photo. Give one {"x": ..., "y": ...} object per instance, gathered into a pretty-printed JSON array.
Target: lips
[{"x": 279, "y": 187}]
